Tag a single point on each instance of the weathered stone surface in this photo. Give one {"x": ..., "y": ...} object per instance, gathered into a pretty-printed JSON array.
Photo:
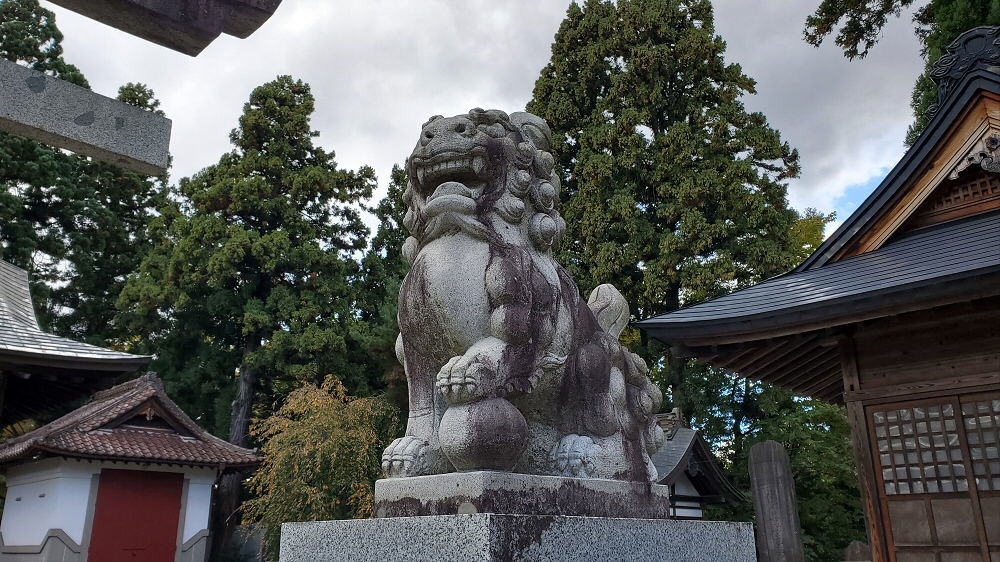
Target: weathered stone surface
[
  {"x": 187, "y": 26},
  {"x": 858, "y": 551},
  {"x": 511, "y": 493},
  {"x": 490, "y": 537},
  {"x": 507, "y": 367},
  {"x": 779, "y": 535},
  {"x": 65, "y": 115}
]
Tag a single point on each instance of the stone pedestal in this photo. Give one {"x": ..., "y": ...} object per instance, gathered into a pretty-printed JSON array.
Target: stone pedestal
[
  {"x": 500, "y": 516},
  {"x": 488, "y": 537},
  {"x": 519, "y": 494}
]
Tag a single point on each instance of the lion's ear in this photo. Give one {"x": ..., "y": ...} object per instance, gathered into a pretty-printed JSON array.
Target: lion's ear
[{"x": 534, "y": 128}]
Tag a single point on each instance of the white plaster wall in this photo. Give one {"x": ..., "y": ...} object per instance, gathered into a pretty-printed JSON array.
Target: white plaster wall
[
  {"x": 66, "y": 484},
  {"x": 684, "y": 508},
  {"x": 53, "y": 495},
  {"x": 684, "y": 487},
  {"x": 196, "y": 505}
]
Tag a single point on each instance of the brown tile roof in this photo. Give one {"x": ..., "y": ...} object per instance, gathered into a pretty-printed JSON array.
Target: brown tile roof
[{"x": 95, "y": 431}]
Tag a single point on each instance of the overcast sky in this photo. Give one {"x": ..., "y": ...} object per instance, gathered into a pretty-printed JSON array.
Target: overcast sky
[{"x": 379, "y": 68}]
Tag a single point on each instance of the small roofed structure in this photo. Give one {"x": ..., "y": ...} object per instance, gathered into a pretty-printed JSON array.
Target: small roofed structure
[
  {"x": 897, "y": 316},
  {"x": 686, "y": 464},
  {"x": 41, "y": 372},
  {"x": 127, "y": 472}
]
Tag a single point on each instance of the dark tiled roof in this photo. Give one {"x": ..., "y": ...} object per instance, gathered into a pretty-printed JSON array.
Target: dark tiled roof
[
  {"x": 92, "y": 431},
  {"x": 939, "y": 256},
  {"x": 685, "y": 451},
  {"x": 22, "y": 340}
]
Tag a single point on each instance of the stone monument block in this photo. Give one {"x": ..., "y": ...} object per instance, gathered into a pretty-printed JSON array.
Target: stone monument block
[
  {"x": 486, "y": 537},
  {"x": 53, "y": 111}
]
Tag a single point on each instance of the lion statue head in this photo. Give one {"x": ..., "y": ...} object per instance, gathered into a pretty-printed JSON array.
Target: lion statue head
[{"x": 482, "y": 173}]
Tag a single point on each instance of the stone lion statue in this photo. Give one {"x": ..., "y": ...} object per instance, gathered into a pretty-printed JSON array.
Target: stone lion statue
[{"x": 508, "y": 369}]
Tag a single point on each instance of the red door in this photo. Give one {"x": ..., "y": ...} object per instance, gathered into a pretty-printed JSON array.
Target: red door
[{"x": 136, "y": 516}]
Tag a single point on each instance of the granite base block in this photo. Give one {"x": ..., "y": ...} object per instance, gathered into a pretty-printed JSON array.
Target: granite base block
[
  {"x": 519, "y": 494},
  {"x": 490, "y": 537}
]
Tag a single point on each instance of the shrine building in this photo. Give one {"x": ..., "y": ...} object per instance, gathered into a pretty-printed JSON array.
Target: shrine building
[
  {"x": 127, "y": 476},
  {"x": 897, "y": 316}
]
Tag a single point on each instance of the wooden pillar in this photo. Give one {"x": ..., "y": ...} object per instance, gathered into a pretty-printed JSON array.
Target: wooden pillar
[
  {"x": 779, "y": 534},
  {"x": 862, "y": 453}
]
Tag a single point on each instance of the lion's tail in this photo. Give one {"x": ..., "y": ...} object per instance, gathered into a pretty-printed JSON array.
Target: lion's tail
[
  {"x": 610, "y": 308},
  {"x": 643, "y": 397}
]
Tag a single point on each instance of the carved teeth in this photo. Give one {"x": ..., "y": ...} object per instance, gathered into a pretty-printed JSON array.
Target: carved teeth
[
  {"x": 478, "y": 165},
  {"x": 421, "y": 175}
]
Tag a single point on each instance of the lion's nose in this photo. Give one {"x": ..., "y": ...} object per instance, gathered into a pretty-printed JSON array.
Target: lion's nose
[{"x": 445, "y": 128}]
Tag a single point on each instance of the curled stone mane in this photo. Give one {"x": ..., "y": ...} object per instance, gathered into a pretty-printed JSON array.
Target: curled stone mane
[{"x": 522, "y": 188}]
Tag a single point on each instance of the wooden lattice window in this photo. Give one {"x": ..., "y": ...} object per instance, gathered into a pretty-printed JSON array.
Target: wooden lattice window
[
  {"x": 920, "y": 450},
  {"x": 982, "y": 429},
  {"x": 969, "y": 194}
]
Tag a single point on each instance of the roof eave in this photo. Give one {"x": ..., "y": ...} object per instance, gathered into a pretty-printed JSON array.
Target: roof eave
[
  {"x": 78, "y": 363},
  {"x": 37, "y": 448},
  {"x": 930, "y": 293}
]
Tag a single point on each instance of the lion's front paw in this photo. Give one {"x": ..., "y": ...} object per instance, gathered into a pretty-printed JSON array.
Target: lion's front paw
[
  {"x": 406, "y": 456},
  {"x": 466, "y": 378},
  {"x": 575, "y": 455}
]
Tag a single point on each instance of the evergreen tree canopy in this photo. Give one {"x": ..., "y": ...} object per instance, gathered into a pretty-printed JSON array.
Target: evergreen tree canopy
[
  {"x": 938, "y": 23},
  {"x": 77, "y": 225},
  {"x": 250, "y": 276},
  {"x": 671, "y": 189},
  {"x": 382, "y": 271},
  {"x": 675, "y": 193}
]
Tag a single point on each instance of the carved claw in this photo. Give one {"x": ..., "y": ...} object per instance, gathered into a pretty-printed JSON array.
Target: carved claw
[
  {"x": 575, "y": 455},
  {"x": 406, "y": 456},
  {"x": 464, "y": 379}
]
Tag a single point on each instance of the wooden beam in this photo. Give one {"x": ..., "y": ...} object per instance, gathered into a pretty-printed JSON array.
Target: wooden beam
[
  {"x": 757, "y": 356},
  {"x": 863, "y": 458},
  {"x": 775, "y": 363}
]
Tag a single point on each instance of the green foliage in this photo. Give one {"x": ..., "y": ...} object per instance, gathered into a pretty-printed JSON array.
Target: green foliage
[
  {"x": 860, "y": 21},
  {"x": 938, "y": 23},
  {"x": 322, "y": 454},
  {"x": 77, "y": 225},
  {"x": 672, "y": 190},
  {"x": 809, "y": 231},
  {"x": 250, "y": 275},
  {"x": 382, "y": 271},
  {"x": 817, "y": 437}
]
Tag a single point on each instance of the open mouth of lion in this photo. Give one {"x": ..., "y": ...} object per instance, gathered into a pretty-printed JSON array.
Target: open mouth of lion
[{"x": 464, "y": 168}]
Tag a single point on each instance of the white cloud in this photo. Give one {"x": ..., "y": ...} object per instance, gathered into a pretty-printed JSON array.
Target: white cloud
[{"x": 379, "y": 68}]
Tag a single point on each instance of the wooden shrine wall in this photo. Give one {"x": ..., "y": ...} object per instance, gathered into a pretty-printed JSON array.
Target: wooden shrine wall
[{"x": 923, "y": 393}]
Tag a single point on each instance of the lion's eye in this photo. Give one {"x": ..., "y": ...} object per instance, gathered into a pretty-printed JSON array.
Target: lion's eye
[
  {"x": 429, "y": 134},
  {"x": 460, "y": 128}
]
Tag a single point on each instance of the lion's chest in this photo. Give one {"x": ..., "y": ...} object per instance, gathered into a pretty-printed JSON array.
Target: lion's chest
[{"x": 443, "y": 304}]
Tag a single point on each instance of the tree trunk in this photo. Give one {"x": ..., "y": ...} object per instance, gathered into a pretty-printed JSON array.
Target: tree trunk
[{"x": 225, "y": 515}]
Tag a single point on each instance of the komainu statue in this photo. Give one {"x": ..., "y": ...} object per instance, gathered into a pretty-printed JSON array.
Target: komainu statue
[{"x": 508, "y": 369}]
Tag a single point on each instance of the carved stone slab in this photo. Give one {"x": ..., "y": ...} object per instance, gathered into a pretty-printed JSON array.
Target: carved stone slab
[
  {"x": 65, "y": 115},
  {"x": 527, "y": 538},
  {"x": 779, "y": 534},
  {"x": 512, "y": 493}
]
